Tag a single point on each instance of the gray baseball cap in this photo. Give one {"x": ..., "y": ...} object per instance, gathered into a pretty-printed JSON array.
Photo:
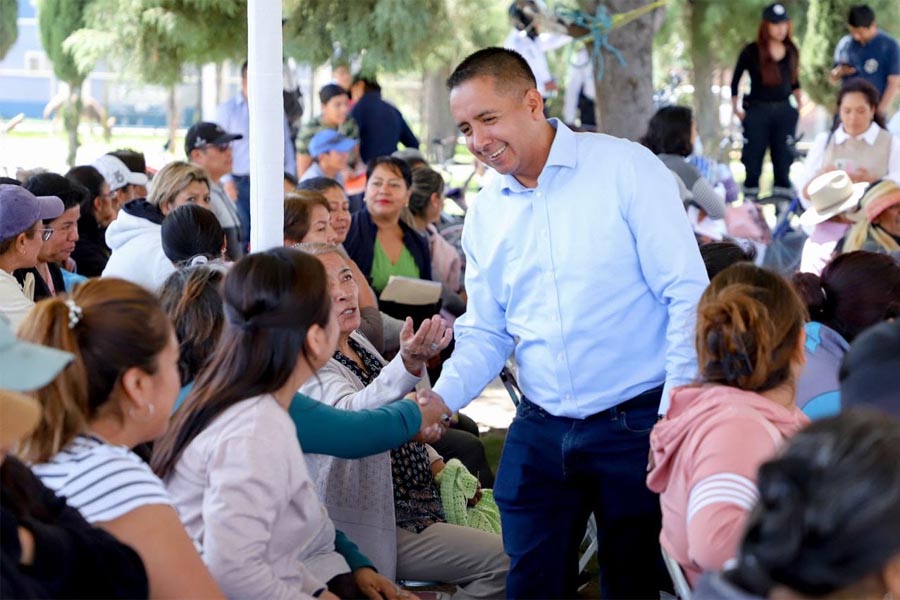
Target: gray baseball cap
[{"x": 20, "y": 209}]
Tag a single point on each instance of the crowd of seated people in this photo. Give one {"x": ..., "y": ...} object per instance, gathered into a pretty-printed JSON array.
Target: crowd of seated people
[{"x": 180, "y": 419}]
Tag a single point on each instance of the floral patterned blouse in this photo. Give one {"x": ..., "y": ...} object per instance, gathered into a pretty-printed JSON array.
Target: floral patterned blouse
[{"x": 417, "y": 501}]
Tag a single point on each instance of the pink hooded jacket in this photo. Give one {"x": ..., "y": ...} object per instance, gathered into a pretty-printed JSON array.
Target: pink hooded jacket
[{"x": 704, "y": 460}]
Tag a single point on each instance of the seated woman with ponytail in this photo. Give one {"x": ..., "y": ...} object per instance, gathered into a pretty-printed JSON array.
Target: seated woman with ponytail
[
  {"x": 855, "y": 291},
  {"x": 827, "y": 521},
  {"x": 705, "y": 454},
  {"x": 232, "y": 461},
  {"x": 116, "y": 394},
  {"x": 192, "y": 235}
]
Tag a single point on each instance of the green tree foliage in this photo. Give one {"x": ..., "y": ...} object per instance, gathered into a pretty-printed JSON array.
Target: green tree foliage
[
  {"x": 9, "y": 31},
  {"x": 57, "y": 19},
  {"x": 388, "y": 35},
  {"x": 154, "y": 39},
  {"x": 827, "y": 23}
]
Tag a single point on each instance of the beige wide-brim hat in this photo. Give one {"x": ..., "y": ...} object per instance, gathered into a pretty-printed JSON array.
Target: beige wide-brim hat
[
  {"x": 831, "y": 194},
  {"x": 19, "y": 415}
]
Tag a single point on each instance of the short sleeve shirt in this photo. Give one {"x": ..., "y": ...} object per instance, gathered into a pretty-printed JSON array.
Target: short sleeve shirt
[
  {"x": 874, "y": 61},
  {"x": 102, "y": 481}
]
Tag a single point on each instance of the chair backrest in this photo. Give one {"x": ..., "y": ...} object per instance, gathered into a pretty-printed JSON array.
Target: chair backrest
[{"x": 682, "y": 588}]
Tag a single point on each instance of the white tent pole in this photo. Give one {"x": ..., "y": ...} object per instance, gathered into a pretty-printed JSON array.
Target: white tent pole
[{"x": 264, "y": 87}]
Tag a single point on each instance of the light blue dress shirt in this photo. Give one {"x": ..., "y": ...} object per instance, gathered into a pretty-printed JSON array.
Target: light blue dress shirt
[
  {"x": 234, "y": 117},
  {"x": 597, "y": 273}
]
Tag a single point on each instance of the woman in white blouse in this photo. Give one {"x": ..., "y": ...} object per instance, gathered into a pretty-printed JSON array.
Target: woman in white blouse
[
  {"x": 115, "y": 395},
  {"x": 859, "y": 145}
]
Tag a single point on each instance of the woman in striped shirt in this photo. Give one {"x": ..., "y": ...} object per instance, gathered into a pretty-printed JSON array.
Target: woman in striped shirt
[
  {"x": 706, "y": 453},
  {"x": 115, "y": 395}
]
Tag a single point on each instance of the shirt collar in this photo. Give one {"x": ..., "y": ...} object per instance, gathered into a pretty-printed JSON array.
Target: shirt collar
[
  {"x": 563, "y": 153},
  {"x": 869, "y": 136}
]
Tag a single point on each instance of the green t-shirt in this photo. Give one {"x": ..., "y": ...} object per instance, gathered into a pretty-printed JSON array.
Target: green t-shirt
[{"x": 383, "y": 268}]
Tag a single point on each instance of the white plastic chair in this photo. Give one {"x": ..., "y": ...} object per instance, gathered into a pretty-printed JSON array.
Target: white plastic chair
[{"x": 682, "y": 588}]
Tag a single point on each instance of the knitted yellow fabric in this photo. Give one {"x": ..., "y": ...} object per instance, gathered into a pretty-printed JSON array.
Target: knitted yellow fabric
[{"x": 457, "y": 487}]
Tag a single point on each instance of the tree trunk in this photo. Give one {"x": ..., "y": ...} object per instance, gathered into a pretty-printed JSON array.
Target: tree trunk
[
  {"x": 171, "y": 119},
  {"x": 706, "y": 103},
  {"x": 439, "y": 124},
  {"x": 625, "y": 94},
  {"x": 71, "y": 119}
]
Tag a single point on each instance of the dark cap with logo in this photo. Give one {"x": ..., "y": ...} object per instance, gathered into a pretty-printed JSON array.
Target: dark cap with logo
[
  {"x": 205, "y": 133},
  {"x": 775, "y": 13}
]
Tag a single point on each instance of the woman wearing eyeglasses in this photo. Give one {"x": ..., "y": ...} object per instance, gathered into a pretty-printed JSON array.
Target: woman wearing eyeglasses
[{"x": 21, "y": 216}]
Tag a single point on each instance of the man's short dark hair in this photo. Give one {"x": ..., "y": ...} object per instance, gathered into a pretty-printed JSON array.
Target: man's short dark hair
[
  {"x": 861, "y": 15},
  {"x": 319, "y": 184},
  {"x": 290, "y": 178},
  {"x": 506, "y": 67},
  {"x": 244, "y": 69}
]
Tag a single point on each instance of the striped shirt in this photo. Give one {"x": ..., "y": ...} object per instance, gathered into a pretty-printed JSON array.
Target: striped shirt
[{"x": 102, "y": 481}]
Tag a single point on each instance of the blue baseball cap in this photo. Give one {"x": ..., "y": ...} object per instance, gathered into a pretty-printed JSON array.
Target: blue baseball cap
[
  {"x": 20, "y": 209},
  {"x": 329, "y": 140}
]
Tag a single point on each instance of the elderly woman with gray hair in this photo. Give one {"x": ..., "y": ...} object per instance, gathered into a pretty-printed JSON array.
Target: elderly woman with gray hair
[{"x": 389, "y": 503}]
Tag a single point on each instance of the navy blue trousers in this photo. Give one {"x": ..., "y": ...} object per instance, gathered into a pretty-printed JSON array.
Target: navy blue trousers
[{"x": 554, "y": 472}]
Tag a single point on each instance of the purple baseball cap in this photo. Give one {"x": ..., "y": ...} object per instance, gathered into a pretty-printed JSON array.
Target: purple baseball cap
[{"x": 20, "y": 209}]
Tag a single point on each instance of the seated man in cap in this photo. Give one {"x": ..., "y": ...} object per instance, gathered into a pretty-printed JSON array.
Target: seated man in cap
[
  {"x": 123, "y": 184},
  {"x": 21, "y": 235},
  {"x": 335, "y": 102},
  {"x": 330, "y": 152},
  {"x": 209, "y": 146}
]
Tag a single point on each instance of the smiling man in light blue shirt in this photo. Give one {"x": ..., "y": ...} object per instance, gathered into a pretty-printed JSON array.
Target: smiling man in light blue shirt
[{"x": 582, "y": 251}]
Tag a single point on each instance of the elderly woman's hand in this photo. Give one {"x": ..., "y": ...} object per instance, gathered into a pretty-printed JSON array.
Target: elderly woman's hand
[{"x": 415, "y": 348}]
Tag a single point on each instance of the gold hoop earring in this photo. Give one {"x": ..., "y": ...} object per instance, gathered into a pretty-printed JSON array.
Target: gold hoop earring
[{"x": 150, "y": 412}]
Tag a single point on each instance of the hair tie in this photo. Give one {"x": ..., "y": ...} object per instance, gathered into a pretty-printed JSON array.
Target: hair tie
[
  {"x": 200, "y": 259},
  {"x": 75, "y": 313}
]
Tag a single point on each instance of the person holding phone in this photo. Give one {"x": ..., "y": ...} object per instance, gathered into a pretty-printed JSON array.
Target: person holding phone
[{"x": 858, "y": 144}]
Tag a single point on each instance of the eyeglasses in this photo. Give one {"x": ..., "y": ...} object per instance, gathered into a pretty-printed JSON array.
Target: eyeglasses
[
  {"x": 46, "y": 233},
  {"x": 219, "y": 147}
]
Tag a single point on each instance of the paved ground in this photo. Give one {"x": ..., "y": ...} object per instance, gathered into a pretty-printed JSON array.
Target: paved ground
[{"x": 493, "y": 409}]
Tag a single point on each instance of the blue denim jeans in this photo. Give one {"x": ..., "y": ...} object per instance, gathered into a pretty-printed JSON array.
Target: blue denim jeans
[{"x": 553, "y": 473}]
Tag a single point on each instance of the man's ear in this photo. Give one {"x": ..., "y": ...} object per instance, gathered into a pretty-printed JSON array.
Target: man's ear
[{"x": 535, "y": 103}]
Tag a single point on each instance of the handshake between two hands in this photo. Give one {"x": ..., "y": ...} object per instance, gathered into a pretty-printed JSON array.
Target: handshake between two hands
[{"x": 436, "y": 416}]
